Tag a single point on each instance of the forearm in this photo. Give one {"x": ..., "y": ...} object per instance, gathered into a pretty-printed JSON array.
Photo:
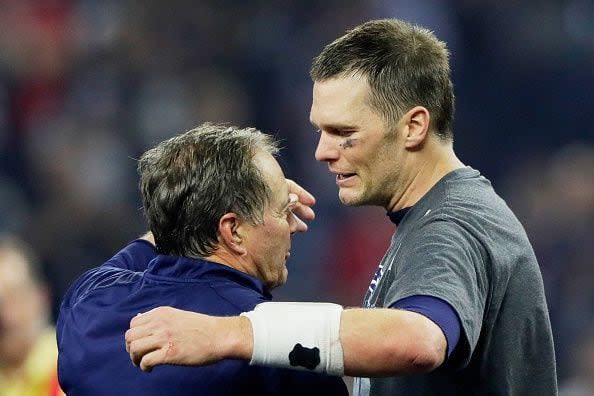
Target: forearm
[
  {"x": 385, "y": 342},
  {"x": 375, "y": 342}
]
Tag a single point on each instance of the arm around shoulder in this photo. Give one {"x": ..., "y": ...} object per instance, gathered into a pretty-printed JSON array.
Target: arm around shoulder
[{"x": 375, "y": 342}]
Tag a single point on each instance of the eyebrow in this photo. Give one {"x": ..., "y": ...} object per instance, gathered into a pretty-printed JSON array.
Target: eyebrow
[{"x": 337, "y": 126}]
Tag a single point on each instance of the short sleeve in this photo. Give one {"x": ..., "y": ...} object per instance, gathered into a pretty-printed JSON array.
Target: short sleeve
[
  {"x": 443, "y": 260},
  {"x": 439, "y": 312}
]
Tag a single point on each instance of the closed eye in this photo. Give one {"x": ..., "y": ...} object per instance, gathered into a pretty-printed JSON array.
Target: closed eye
[
  {"x": 341, "y": 132},
  {"x": 345, "y": 133}
]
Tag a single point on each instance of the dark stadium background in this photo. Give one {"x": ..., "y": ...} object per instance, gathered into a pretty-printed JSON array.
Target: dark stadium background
[{"x": 87, "y": 86}]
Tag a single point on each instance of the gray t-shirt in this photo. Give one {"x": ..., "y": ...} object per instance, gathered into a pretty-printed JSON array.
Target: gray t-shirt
[{"x": 462, "y": 244}]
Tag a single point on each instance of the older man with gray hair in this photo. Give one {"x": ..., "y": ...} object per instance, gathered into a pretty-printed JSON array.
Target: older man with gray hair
[{"x": 221, "y": 215}]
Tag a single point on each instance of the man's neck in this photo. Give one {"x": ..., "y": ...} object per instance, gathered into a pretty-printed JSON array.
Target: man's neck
[
  {"x": 427, "y": 170},
  {"x": 224, "y": 257}
]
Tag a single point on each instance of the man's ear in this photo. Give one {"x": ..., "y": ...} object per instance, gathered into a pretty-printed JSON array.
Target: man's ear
[
  {"x": 229, "y": 234},
  {"x": 416, "y": 123}
]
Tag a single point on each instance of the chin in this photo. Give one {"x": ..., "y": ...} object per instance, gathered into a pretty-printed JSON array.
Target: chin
[
  {"x": 350, "y": 200},
  {"x": 282, "y": 279}
]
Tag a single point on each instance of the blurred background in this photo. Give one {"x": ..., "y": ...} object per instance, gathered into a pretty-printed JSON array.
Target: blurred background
[{"x": 86, "y": 86}]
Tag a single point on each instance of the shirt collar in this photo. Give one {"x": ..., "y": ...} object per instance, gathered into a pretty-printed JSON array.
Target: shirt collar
[
  {"x": 185, "y": 269},
  {"x": 396, "y": 217},
  {"x": 465, "y": 172}
]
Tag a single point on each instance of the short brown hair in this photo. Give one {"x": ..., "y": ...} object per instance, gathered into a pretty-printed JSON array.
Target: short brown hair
[{"x": 405, "y": 65}]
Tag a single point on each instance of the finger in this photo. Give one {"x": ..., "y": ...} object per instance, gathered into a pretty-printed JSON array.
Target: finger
[
  {"x": 302, "y": 209},
  {"x": 304, "y": 212},
  {"x": 136, "y": 333},
  {"x": 140, "y": 319},
  {"x": 301, "y": 226},
  {"x": 305, "y": 196},
  {"x": 139, "y": 348},
  {"x": 153, "y": 359},
  {"x": 149, "y": 237},
  {"x": 149, "y": 316},
  {"x": 293, "y": 200}
]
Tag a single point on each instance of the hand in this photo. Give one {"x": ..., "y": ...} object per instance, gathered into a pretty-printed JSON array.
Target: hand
[
  {"x": 149, "y": 237},
  {"x": 167, "y": 335},
  {"x": 303, "y": 208}
]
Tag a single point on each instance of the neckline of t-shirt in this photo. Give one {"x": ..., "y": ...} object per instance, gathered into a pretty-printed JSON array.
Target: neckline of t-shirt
[{"x": 460, "y": 173}]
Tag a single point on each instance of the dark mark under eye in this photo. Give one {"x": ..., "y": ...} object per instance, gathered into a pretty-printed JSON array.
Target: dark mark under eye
[{"x": 348, "y": 143}]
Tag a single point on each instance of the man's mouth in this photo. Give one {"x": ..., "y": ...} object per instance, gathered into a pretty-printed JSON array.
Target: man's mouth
[{"x": 344, "y": 176}]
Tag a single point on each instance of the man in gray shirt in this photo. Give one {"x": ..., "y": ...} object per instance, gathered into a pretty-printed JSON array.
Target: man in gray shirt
[{"x": 457, "y": 304}]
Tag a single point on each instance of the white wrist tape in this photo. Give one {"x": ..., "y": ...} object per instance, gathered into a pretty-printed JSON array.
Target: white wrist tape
[{"x": 297, "y": 335}]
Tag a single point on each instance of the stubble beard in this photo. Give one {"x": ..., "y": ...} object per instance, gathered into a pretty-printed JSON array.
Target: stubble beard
[
  {"x": 356, "y": 198},
  {"x": 367, "y": 196}
]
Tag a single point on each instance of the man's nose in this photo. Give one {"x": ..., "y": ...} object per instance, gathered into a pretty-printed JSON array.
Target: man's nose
[{"x": 327, "y": 149}]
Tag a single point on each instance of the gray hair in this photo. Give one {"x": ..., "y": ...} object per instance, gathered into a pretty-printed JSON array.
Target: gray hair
[{"x": 190, "y": 181}]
